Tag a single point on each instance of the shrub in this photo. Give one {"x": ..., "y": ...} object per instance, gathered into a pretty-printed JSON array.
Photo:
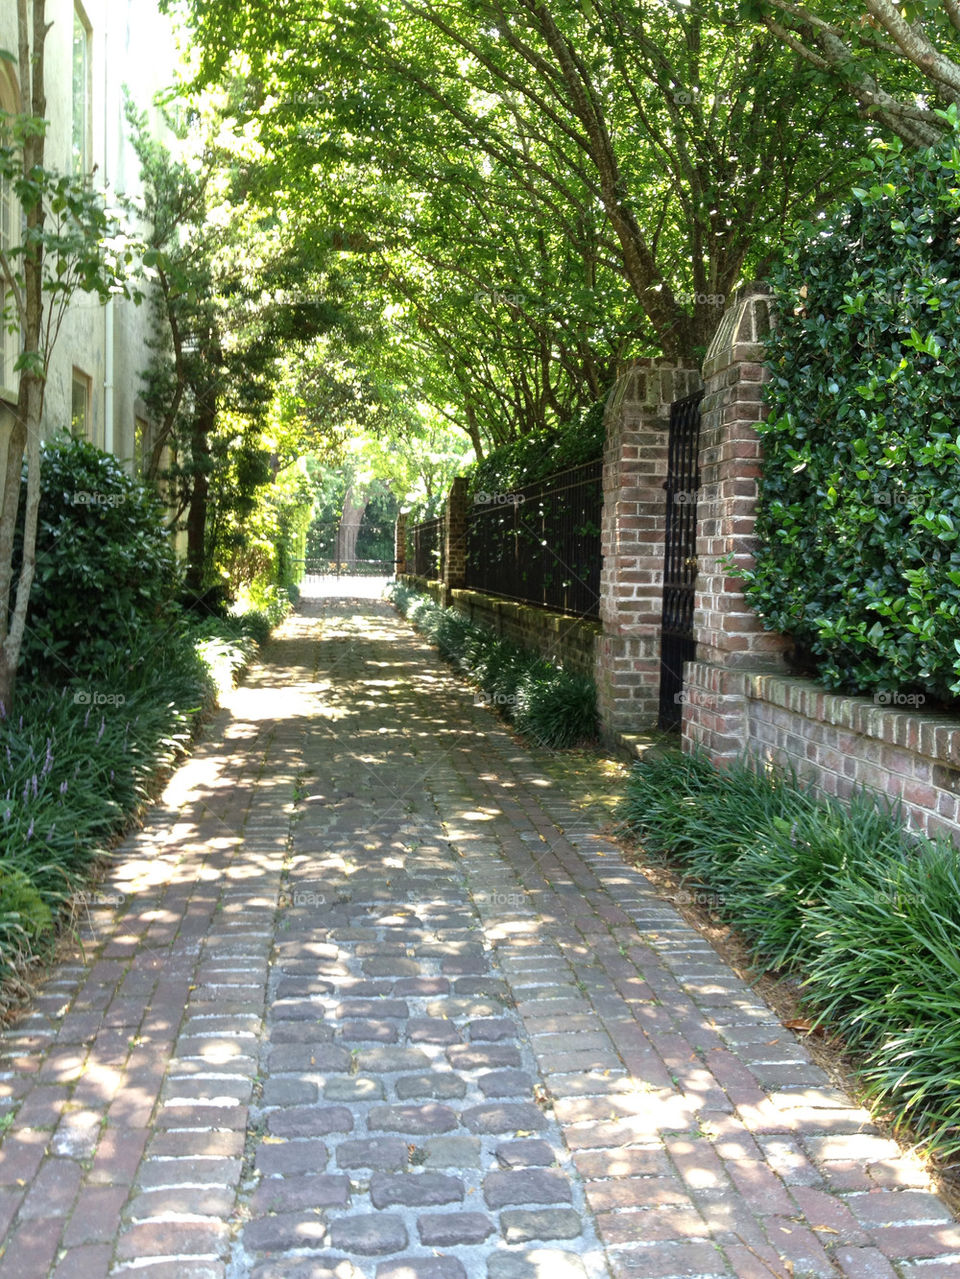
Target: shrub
[
  {"x": 859, "y": 514},
  {"x": 559, "y": 710},
  {"x": 104, "y": 566},
  {"x": 79, "y": 761},
  {"x": 865, "y": 914},
  {"x": 554, "y": 707},
  {"x": 534, "y": 457}
]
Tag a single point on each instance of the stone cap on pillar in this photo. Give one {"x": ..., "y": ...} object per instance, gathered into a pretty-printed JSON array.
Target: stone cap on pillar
[
  {"x": 740, "y": 336},
  {"x": 652, "y": 382}
]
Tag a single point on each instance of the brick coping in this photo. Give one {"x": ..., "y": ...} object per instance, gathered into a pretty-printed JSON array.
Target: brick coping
[{"x": 924, "y": 732}]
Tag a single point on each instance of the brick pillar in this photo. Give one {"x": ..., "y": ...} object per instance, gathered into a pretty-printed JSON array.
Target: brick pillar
[
  {"x": 731, "y": 639},
  {"x": 400, "y": 544},
  {"x": 634, "y": 507},
  {"x": 454, "y": 570}
]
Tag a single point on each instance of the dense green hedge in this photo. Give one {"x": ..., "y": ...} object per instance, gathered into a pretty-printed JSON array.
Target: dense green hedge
[
  {"x": 864, "y": 914},
  {"x": 534, "y": 457},
  {"x": 859, "y": 513},
  {"x": 553, "y": 707},
  {"x": 104, "y": 567}
]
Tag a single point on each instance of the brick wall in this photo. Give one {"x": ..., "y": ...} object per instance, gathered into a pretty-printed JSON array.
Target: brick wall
[
  {"x": 844, "y": 743},
  {"x": 454, "y": 564},
  {"x": 400, "y": 544},
  {"x": 568, "y": 641},
  {"x": 634, "y": 521}
]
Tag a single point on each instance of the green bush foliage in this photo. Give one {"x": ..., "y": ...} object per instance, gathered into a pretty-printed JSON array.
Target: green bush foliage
[
  {"x": 104, "y": 569},
  {"x": 859, "y": 514},
  {"x": 553, "y": 707},
  {"x": 865, "y": 914},
  {"x": 534, "y": 457}
]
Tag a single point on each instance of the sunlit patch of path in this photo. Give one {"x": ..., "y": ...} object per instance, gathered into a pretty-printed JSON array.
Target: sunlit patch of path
[{"x": 367, "y": 998}]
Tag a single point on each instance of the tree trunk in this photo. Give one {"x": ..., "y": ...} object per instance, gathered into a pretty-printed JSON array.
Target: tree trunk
[
  {"x": 349, "y": 527},
  {"x": 203, "y": 424},
  {"x": 24, "y": 436}
]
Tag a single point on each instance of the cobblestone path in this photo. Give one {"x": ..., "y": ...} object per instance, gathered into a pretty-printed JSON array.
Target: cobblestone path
[{"x": 367, "y": 998}]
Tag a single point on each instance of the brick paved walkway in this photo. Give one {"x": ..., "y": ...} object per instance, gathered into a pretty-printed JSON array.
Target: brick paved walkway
[{"x": 366, "y": 998}]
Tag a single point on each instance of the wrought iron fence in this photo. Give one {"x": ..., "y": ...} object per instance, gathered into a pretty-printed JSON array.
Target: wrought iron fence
[
  {"x": 426, "y": 551},
  {"x": 540, "y": 544}
]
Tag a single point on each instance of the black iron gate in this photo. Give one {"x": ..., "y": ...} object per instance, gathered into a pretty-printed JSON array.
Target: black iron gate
[{"x": 677, "y": 643}]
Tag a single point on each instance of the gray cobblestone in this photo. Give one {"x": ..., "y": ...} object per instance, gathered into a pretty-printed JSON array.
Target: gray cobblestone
[
  {"x": 447, "y": 1229},
  {"x": 431, "y": 1084},
  {"x": 416, "y": 1120},
  {"x": 310, "y": 1121},
  {"x": 369, "y": 1234},
  {"x": 353, "y": 1088},
  {"x": 471, "y": 1057},
  {"x": 521, "y": 1225},
  {"x": 422, "y": 1268},
  {"x": 505, "y": 1083},
  {"x": 452, "y": 1152},
  {"x": 527, "y": 1153},
  {"x": 414, "y": 1189},
  {"x": 504, "y": 1117},
  {"x": 292, "y": 1156},
  {"x": 373, "y": 1152},
  {"x": 530, "y": 1186},
  {"x": 291, "y": 1193}
]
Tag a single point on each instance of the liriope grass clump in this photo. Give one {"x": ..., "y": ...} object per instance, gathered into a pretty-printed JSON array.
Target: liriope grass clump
[
  {"x": 79, "y": 758},
  {"x": 864, "y": 914},
  {"x": 551, "y": 706}
]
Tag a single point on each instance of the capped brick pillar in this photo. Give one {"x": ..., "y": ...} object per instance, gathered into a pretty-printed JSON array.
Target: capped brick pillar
[
  {"x": 731, "y": 639},
  {"x": 454, "y": 570},
  {"x": 400, "y": 544},
  {"x": 632, "y": 532}
]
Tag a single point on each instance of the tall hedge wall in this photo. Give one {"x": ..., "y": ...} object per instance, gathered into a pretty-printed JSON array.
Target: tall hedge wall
[{"x": 859, "y": 512}]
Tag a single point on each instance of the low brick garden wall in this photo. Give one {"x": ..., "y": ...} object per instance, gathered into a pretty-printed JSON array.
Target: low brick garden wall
[
  {"x": 839, "y": 743},
  {"x": 568, "y": 641}
]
